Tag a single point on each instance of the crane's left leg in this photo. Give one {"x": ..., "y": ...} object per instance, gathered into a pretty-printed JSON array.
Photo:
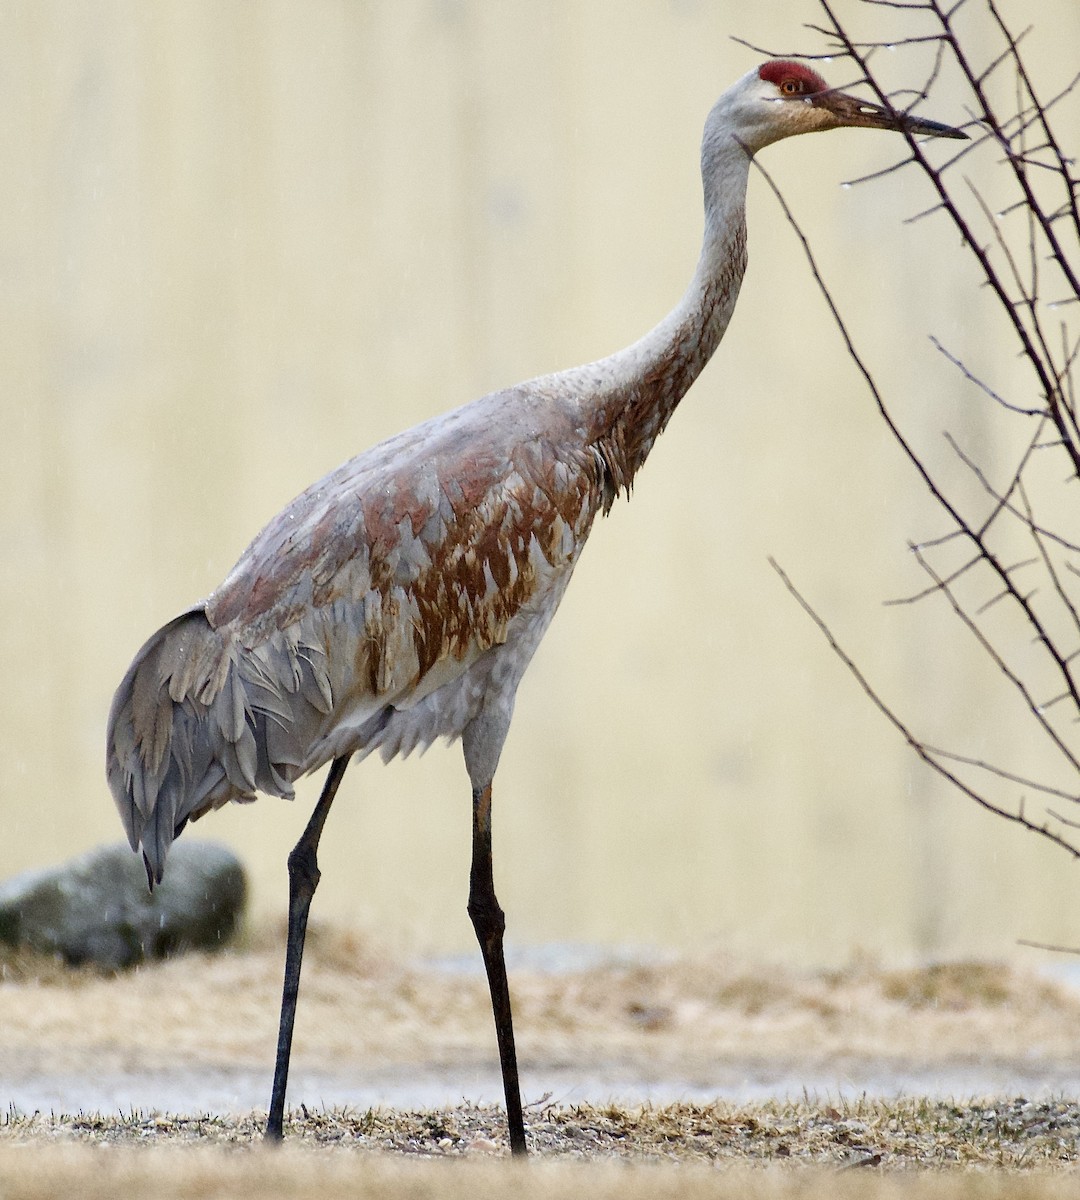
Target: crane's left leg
[
  {"x": 303, "y": 880},
  {"x": 489, "y": 922}
]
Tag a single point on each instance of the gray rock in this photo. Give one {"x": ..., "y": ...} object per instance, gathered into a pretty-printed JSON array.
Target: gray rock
[{"x": 97, "y": 907}]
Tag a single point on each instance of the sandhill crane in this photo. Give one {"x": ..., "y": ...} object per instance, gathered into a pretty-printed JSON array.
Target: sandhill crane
[{"x": 400, "y": 598}]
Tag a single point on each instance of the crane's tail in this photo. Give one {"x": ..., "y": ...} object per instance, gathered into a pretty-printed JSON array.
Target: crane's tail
[{"x": 198, "y": 721}]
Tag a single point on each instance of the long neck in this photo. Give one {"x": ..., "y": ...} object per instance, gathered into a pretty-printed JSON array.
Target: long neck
[{"x": 630, "y": 396}]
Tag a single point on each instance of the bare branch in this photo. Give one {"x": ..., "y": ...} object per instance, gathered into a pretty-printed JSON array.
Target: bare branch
[
  {"x": 1027, "y": 412},
  {"x": 1040, "y": 108},
  {"x": 914, "y": 458},
  {"x": 997, "y": 658},
  {"x": 919, "y": 747},
  {"x": 1012, "y": 586},
  {"x": 1047, "y": 946},
  {"x": 827, "y": 57},
  {"x": 1040, "y": 542},
  {"x": 1029, "y": 349},
  {"x": 935, "y": 587},
  {"x": 1003, "y": 774}
]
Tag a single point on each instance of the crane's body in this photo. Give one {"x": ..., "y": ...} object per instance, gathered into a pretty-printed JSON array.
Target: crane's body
[{"x": 401, "y": 598}]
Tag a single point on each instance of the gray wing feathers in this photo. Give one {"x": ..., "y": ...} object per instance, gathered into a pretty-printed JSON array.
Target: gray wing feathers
[{"x": 200, "y": 720}]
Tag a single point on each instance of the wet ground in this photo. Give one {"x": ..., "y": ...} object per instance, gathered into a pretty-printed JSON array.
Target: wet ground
[
  {"x": 644, "y": 1077},
  {"x": 196, "y": 1035},
  {"x": 239, "y": 1090}
]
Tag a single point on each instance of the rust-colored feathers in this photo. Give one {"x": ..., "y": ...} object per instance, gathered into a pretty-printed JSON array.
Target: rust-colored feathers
[
  {"x": 400, "y": 598},
  {"x": 383, "y": 584}
]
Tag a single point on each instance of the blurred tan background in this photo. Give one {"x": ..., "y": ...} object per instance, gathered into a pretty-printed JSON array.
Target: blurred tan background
[{"x": 243, "y": 241}]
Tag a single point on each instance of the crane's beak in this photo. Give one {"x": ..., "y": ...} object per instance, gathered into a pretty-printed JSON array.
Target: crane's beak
[{"x": 851, "y": 111}]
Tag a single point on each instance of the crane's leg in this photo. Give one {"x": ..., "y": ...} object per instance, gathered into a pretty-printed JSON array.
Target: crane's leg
[
  {"x": 489, "y": 922},
  {"x": 303, "y": 880}
]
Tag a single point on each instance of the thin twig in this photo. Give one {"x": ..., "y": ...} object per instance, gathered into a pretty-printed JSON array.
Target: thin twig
[
  {"x": 956, "y": 362},
  {"x": 918, "y": 746},
  {"x": 1047, "y": 946}
]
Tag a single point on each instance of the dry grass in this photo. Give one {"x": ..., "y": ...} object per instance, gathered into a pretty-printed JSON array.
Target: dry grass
[
  {"x": 361, "y": 1006},
  {"x": 206, "y": 1174},
  {"x": 694, "y": 1018},
  {"x": 865, "y": 1150},
  {"x": 898, "y": 1134},
  {"x": 772, "y": 1151}
]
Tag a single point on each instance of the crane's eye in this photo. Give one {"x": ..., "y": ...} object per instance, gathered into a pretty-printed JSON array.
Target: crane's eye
[{"x": 792, "y": 87}]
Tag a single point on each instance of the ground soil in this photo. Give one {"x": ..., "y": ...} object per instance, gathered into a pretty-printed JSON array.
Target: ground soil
[{"x": 703, "y": 1061}]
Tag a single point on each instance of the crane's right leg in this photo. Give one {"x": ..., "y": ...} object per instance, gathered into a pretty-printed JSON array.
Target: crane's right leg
[{"x": 303, "y": 880}]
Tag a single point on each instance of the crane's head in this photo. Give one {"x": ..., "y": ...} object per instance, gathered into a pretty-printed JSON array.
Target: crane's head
[{"x": 781, "y": 98}]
